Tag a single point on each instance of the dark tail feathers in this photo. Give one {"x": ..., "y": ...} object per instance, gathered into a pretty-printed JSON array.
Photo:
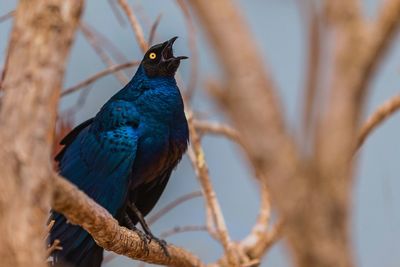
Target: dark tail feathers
[{"x": 78, "y": 247}]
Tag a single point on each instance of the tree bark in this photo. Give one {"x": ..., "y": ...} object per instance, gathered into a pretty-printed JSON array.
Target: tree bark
[{"x": 41, "y": 38}]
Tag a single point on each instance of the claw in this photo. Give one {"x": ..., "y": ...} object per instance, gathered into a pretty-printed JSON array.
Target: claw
[
  {"x": 145, "y": 239},
  {"x": 149, "y": 235},
  {"x": 162, "y": 243}
]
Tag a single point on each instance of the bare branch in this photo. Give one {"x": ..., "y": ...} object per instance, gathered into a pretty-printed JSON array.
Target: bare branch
[
  {"x": 313, "y": 70},
  {"x": 116, "y": 13},
  {"x": 210, "y": 222},
  {"x": 359, "y": 52},
  {"x": 194, "y": 58},
  {"x": 157, "y": 215},
  {"x": 183, "y": 229},
  {"x": 91, "y": 38},
  {"x": 137, "y": 29},
  {"x": 258, "y": 235},
  {"x": 7, "y": 16},
  {"x": 53, "y": 247},
  {"x": 258, "y": 102},
  {"x": 48, "y": 228},
  {"x": 380, "y": 38},
  {"x": 153, "y": 30},
  {"x": 217, "y": 128},
  {"x": 108, "y": 234},
  {"x": 382, "y": 113},
  {"x": 99, "y": 75},
  {"x": 255, "y": 112},
  {"x": 40, "y": 41},
  {"x": 261, "y": 237},
  {"x": 108, "y": 45},
  {"x": 201, "y": 170}
]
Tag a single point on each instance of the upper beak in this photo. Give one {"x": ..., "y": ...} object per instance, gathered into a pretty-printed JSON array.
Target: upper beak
[{"x": 167, "y": 52}]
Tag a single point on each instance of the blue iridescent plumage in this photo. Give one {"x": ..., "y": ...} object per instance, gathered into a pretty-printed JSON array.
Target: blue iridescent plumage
[{"x": 126, "y": 153}]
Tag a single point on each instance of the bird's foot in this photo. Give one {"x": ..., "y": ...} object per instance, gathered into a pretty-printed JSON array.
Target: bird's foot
[
  {"x": 146, "y": 228},
  {"x": 144, "y": 238},
  {"x": 162, "y": 243}
]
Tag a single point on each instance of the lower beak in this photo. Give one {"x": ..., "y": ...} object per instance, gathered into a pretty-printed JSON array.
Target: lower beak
[{"x": 167, "y": 54}]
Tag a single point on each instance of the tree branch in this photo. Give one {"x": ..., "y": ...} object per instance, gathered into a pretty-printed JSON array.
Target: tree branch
[
  {"x": 201, "y": 170},
  {"x": 41, "y": 38},
  {"x": 97, "y": 47},
  {"x": 97, "y": 76},
  {"x": 157, "y": 215},
  {"x": 312, "y": 209},
  {"x": 183, "y": 229},
  {"x": 7, "y": 16},
  {"x": 137, "y": 29},
  {"x": 153, "y": 30},
  {"x": 314, "y": 63},
  {"x": 258, "y": 236},
  {"x": 380, "y": 115},
  {"x": 108, "y": 234},
  {"x": 194, "y": 57},
  {"x": 269, "y": 148},
  {"x": 218, "y": 129}
]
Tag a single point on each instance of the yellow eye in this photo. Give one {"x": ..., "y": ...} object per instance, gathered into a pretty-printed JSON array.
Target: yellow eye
[{"x": 152, "y": 55}]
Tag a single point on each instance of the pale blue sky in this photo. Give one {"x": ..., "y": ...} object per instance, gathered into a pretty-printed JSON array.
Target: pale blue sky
[{"x": 281, "y": 38}]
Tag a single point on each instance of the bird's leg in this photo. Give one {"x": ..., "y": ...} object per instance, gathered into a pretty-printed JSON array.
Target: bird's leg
[
  {"x": 142, "y": 235},
  {"x": 146, "y": 228},
  {"x": 140, "y": 217}
]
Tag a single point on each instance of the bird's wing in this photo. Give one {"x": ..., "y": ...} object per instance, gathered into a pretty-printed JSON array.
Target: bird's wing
[
  {"x": 70, "y": 137},
  {"x": 100, "y": 164}
]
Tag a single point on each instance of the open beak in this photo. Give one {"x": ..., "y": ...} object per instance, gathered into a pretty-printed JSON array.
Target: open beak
[{"x": 168, "y": 54}]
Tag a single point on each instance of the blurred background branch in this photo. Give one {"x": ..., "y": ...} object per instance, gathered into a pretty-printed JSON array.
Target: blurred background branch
[
  {"x": 307, "y": 180},
  {"x": 41, "y": 38}
]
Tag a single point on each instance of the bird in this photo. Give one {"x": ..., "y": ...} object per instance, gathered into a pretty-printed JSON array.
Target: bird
[{"x": 123, "y": 157}]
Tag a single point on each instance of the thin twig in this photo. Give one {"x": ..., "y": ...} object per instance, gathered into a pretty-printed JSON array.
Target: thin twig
[
  {"x": 183, "y": 229},
  {"x": 210, "y": 224},
  {"x": 137, "y": 29},
  {"x": 7, "y": 16},
  {"x": 209, "y": 220},
  {"x": 201, "y": 170},
  {"x": 157, "y": 215},
  {"x": 53, "y": 247},
  {"x": 313, "y": 69},
  {"x": 194, "y": 58},
  {"x": 108, "y": 44},
  {"x": 380, "y": 115},
  {"x": 48, "y": 229},
  {"x": 98, "y": 75},
  {"x": 261, "y": 227},
  {"x": 70, "y": 112},
  {"x": 1, "y": 77},
  {"x": 117, "y": 13},
  {"x": 97, "y": 47},
  {"x": 153, "y": 30},
  {"x": 258, "y": 241},
  {"x": 217, "y": 128},
  {"x": 262, "y": 235}
]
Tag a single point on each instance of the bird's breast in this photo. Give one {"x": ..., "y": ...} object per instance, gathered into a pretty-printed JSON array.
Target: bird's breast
[{"x": 158, "y": 151}]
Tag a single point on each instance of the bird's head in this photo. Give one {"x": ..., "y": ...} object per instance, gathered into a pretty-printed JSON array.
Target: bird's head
[{"x": 159, "y": 60}]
